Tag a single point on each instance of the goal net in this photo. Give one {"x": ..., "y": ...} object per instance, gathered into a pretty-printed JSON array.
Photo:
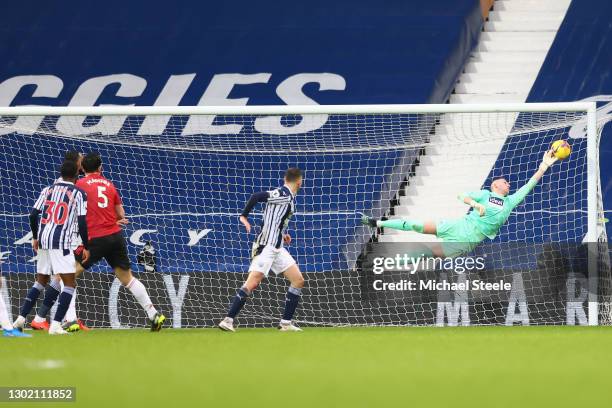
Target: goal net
[{"x": 185, "y": 173}]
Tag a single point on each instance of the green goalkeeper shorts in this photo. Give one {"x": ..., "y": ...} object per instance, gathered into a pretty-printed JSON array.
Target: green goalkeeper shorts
[{"x": 459, "y": 236}]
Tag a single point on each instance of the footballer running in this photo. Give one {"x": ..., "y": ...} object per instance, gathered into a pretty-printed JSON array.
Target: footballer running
[
  {"x": 269, "y": 252},
  {"x": 105, "y": 216}
]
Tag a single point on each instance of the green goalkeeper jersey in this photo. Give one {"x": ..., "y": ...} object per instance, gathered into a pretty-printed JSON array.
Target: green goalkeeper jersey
[{"x": 498, "y": 208}]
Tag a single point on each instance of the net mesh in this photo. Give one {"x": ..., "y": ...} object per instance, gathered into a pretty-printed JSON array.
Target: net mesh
[{"x": 185, "y": 179}]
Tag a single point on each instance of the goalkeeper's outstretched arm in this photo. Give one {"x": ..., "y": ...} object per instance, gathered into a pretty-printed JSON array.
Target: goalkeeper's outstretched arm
[
  {"x": 548, "y": 160},
  {"x": 471, "y": 199}
]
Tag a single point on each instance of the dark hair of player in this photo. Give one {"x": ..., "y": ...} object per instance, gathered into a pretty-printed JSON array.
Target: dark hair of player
[
  {"x": 69, "y": 170},
  {"x": 91, "y": 162},
  {"x": 72, "y": 155},
  {"x": 293, "y": 174}
]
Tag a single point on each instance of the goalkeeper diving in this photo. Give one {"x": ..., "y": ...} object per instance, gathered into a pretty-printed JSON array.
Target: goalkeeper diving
[{"x": 489, "y": 211}]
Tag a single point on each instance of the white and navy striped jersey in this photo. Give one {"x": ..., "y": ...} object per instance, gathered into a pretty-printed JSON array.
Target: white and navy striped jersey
[
  {"x": 280, "y": 206},
  {"x": 61, "y": 204},
  {"x": 76, "y": 238}
]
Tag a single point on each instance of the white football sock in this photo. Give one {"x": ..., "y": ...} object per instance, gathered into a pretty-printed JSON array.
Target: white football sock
[
  {"x": 5, "y": 322},
  {"x": 140, "y": 293},
  {"x": 39, "y": 319},
  {"x": 71, "y": 315}
]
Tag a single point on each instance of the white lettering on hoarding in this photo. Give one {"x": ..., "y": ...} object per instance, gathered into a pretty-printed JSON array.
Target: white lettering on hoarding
[{"x": 218, "y": 92}]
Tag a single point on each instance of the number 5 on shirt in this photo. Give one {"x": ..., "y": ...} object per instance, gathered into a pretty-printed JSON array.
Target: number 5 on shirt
[{"x": 103, "y": 197}]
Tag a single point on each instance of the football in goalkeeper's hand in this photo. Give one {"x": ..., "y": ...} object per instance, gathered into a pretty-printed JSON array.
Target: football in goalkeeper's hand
[{"x": 561, "y": 149}]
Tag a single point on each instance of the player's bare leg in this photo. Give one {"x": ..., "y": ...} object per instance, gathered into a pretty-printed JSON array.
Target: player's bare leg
[
  {"x": 5, "y": 322},
  {"x": 436, "y": 250},
  {"x": 63, "y": 302},
  {"x": 429, "y": 227},
  {"x": 79, "y": 269},
  {"x": 294, "y": 275},
  {"x": 142, "y": 296},
  {"x": 252, "y": 282}
]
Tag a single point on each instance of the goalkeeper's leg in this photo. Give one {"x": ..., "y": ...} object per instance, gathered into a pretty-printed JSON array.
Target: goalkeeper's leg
[
  {"x": 419, "y": 250},
  {"x": 427, "y": 227}
]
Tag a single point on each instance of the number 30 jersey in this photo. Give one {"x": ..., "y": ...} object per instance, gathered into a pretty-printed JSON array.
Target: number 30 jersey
[
  {"x": 102, "y": 197},
  {"x": 61, "y": 204}
]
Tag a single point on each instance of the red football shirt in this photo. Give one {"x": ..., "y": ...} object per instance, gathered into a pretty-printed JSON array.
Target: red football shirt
[{"x": 102, "y": 197}]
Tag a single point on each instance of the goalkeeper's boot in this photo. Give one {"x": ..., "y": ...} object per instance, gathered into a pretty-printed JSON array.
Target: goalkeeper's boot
[
  {"x": 44, "y": 325},
  {"x": 157, "y": 322},
  {"x": 14, "y": 333},
  {"x": 72, "y": 326},
  {"x": 288, "y": 327},
  {"x": 56, "y": 328},
  {"x": 227, "y": 324},
  {"x": 365, "y": 220}
]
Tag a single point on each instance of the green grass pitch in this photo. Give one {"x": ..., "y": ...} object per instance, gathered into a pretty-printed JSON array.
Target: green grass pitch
[{"x": 320, "y": 367}]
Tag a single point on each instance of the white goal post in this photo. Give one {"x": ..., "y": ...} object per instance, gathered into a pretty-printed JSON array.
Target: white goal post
[{"x": 186, "y": 172}]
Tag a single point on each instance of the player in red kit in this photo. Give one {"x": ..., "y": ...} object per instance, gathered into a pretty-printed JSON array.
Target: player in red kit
[{"x": 105, "y": 216}]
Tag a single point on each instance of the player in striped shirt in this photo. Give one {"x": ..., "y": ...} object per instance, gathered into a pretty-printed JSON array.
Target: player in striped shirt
[
  {"x": 268, "y": 251},
  {"x": 72, "y": 322},
  {"x": 62, "y": 205}
]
